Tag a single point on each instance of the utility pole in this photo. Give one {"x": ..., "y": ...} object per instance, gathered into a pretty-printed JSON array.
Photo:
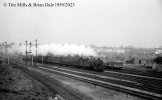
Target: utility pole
[
  {"x": 36, "y": 51},
  {"x": 30, "y": 44},
  {"x": 30, "y": 47},
  {"x": 26, "y": 51},
  {"x": 42, "y": 59},
  {"x": 6, "y": 52},
  {"x": 5, "y": 47}
]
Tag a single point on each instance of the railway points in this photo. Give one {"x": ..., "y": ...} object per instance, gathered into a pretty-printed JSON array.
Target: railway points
[
  {"x": 136, "y": 75},
  {"x": 139, "y": 92},
  {"x": 96, "y": 75},
  {"x": 134, "y": 87},
  {"x": 117, "y": 76},
  {"x": 95, "y": 91},
  {"x": 53, "y": 85}
]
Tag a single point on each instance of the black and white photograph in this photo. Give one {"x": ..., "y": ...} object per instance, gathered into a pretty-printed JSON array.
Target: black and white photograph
[{"x": 80, "y": 49}]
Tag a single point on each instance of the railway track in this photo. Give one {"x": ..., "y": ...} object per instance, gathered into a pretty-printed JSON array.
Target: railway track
[
  {"x": 150, "y": 81},
  {"x": 130, "y": 73},
  {"x": 154, "y": 84},
  {"x": 138, "y": 72},
  {"x": 145, "y": 80},
  {"x": 120, "y": 83},
  {"x": 128, "y": 83},
  {"x": 51, "y": 84}
]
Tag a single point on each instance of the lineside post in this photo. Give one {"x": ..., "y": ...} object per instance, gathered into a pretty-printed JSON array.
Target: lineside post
[
  {"x": 32, "y": 60},
  {"x": 42, "y": 59},
  {"x": 8, "y": 60},
  {"x": 26, "y": 52},
  {"x": 36, "y": 51}
]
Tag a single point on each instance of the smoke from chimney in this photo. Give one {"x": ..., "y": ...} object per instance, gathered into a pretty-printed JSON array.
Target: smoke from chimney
[{"x": 55, "y": 49}]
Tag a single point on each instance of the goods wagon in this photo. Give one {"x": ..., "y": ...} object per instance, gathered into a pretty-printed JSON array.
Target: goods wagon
[
  {"x": 70, "y": 61},
  {"x": 95, "y": 64},
  {"x": 49, "y": 59},
  {"x": 113, "y": 65},
  {"x": 55, "y": 60}
]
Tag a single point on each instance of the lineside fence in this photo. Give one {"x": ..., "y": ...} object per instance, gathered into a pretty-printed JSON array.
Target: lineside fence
[{"x": 9, "y": 59}]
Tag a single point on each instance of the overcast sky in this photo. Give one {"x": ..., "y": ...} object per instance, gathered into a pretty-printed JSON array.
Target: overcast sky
[{"x": 99, "y": 22}]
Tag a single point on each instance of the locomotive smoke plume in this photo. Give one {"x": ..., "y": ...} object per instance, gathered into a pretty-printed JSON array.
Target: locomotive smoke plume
[{"x": 55, "y": 49}]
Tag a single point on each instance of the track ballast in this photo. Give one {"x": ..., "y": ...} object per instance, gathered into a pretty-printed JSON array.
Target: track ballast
[{"x": 138, "y": 88}]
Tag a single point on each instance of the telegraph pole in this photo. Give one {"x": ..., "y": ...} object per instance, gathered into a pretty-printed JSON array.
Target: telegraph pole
[
  {"x": 30, "y": 47},
  {"x": 5, "y": 47},
  {"x": 36, "y": 51},
  {"x": 6, "y": 52},
  {"x": 26, "y": 51},
  {"x": 30, "y": 44}
]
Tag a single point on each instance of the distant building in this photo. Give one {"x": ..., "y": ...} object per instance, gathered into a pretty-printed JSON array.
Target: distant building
[
  {"x": 158, "y": 52},
  {"x": 110, "y": 50}
]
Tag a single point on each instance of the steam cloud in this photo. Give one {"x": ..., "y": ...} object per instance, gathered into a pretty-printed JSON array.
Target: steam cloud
[{"x": 55, "y": 49}]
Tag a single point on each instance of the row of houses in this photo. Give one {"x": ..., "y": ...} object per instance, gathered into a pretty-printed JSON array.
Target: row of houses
[{"x": 137, "y": 55}]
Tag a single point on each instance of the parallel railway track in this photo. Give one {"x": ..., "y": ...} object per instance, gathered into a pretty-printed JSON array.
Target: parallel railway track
[
  {"x": 138, "y": 72},
  {"x": 51, "y": 84},
  {"x": 150, "y": 88},
  {"x": 145, "y": 80},
  {"x": 134, "y": 87},
  {"x": 149, "y": 83}
]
